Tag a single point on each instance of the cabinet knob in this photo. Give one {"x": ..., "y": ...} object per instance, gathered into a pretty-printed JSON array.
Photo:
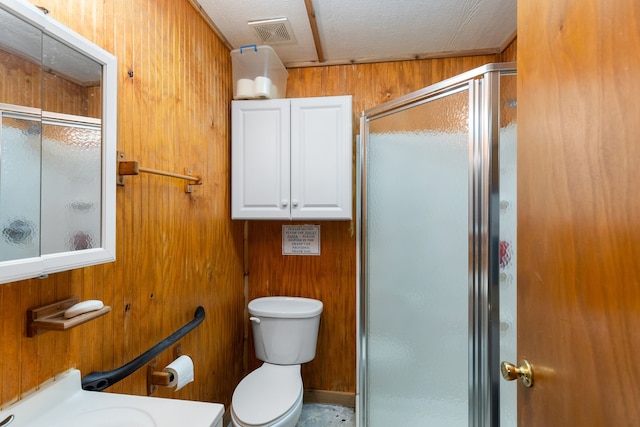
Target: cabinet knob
[
  {"x": 285, "y": 203},
  {"x": 294, "y": 203}
]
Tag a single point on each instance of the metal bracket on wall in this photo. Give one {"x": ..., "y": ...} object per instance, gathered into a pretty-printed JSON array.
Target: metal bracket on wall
[{"x": 132, "y": 168}]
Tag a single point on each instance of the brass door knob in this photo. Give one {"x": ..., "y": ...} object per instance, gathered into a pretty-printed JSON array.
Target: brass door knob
[{"x": 511, "y": 372}]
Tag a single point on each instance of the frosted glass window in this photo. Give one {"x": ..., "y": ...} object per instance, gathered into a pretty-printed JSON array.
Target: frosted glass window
[
  {"x": 19, "y": 187},
  {"x": 71, "y": 187},
  {"x": 417, "y": 287}
]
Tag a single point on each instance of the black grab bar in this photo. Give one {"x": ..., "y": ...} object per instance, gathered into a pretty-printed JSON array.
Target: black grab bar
[{"x": 98, "y": 381}]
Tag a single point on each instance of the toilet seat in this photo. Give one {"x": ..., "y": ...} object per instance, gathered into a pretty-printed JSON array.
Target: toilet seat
[{"x": 267, "y": 394}]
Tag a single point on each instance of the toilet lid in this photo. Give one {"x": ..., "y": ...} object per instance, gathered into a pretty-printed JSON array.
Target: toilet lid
[{"x": 267, "y": 393}]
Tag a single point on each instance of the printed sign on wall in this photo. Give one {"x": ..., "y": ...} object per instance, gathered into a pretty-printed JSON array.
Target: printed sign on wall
[{"x": 300, "y": 240}]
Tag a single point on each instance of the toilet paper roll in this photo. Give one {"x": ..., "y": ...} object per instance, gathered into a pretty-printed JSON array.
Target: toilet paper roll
[
  {"x": 245, "y": 89},
  {"x": 182, "y": 371},
  {"x": 263, "y": 87}
]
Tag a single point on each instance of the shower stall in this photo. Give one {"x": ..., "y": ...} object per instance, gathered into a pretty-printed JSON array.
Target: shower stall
[{"x": 436, "y": 254}]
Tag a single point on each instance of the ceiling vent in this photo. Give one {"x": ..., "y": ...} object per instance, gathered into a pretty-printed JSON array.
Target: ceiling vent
[{"x": 273, "y": 31}]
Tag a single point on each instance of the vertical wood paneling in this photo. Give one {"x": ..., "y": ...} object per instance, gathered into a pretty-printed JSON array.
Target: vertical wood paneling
[
  {"x": 510, "y": 54},
  {"x": 12, "y": 332},
  {"x": 174, "y": 251},
  {"x": 330, "y": 277},
  {"x": 19, "y": 81}
]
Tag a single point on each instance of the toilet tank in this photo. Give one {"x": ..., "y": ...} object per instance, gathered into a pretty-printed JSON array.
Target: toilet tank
[{"x": 285, "y": 329}]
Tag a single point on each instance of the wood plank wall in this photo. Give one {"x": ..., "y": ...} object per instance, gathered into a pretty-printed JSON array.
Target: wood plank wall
[
  {"x": 331, "y": 276},
  {"x": 19, "y": 81},
  {"x": 23, "y": 83},
  {"x": 175, "y": 251}
]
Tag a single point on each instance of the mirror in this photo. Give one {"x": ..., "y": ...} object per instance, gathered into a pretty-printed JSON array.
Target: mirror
[{"x": 57, "y": 146}]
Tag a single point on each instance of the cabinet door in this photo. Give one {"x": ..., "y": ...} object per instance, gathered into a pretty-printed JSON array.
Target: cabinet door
[
  {"x": 260, "y": 159},
  {"x": 321, "y": 158}
]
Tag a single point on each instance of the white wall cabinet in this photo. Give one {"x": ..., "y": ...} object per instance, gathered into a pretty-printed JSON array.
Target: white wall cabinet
[{"x": 292, "y": 159}]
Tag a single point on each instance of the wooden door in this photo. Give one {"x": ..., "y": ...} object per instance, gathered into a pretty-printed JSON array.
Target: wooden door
[{"x": 579, "y": 211}]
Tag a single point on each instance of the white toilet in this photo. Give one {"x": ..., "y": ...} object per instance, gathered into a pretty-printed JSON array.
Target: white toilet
[{"x": 285, "y": 332}]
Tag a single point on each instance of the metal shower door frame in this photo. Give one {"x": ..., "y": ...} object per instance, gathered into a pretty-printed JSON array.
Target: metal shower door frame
[{"x": 483, "y": 84}]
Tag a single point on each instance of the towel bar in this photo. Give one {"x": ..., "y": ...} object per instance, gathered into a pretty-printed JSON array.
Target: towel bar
[{"x": 132, "y": 168}]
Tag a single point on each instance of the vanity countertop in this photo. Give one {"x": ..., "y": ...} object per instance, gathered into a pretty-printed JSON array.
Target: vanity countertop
[{"x": 63, "y": 402}]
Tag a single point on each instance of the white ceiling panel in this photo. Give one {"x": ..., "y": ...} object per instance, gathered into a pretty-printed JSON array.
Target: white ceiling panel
[{"x": 371, "y": 30}]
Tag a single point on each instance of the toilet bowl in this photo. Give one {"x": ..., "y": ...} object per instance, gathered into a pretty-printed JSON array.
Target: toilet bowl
[
  {"x": 269, "y": 396},
  {"x": 285, "y": 333}
]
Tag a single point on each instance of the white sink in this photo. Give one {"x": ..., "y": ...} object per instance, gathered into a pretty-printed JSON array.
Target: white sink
[{"x": 62, "y": 402}]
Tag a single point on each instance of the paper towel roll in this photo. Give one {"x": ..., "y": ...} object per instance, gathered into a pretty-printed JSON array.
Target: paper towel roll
[
  {"x": 245, "y": 89},
  {"x": 263, "y": 87},
  {"x": 182, "y": 371}
]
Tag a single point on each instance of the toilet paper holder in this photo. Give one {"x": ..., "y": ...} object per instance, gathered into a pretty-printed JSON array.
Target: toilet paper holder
[
  {"x": 157, "y": 378},
  {"x": 161, "y": 378}
]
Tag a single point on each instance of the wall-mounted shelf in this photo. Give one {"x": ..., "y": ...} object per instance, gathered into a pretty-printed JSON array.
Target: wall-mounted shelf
[{"x": 51, "y": 317}]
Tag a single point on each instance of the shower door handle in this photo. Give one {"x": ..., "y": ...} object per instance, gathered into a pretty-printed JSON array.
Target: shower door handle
[{"x": 511, "y": 372}]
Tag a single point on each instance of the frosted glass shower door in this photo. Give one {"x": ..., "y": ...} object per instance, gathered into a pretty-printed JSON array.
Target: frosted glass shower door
[{"x": 417, "y": 265}]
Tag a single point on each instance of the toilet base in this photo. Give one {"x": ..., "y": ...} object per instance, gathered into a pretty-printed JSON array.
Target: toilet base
[{"x": 290, "y": 419}]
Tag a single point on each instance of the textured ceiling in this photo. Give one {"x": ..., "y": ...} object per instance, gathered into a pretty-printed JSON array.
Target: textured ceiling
[{"x": 371, "y": 30}]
